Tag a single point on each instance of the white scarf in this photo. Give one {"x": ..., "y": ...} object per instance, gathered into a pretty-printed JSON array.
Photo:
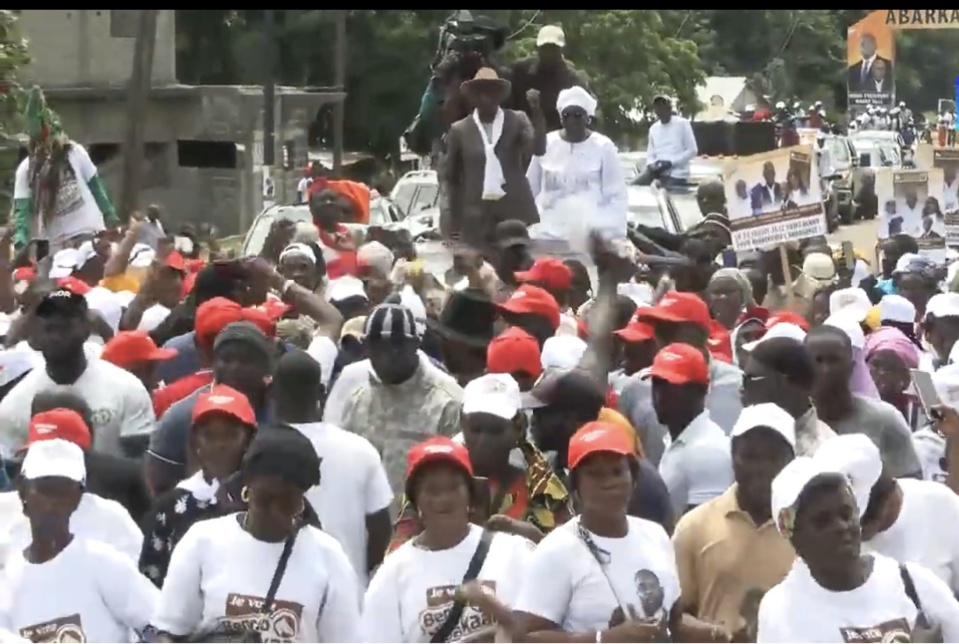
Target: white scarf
[{"x": 493, "y": 178}]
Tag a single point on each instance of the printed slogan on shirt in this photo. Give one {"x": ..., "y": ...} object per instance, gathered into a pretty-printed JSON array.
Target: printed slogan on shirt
[
  {"x": 245, "y": 612},
  {"x": 896, "y": 630},
  {"x": 61, "y": 629},
  {"x": 439, "y": 602}
]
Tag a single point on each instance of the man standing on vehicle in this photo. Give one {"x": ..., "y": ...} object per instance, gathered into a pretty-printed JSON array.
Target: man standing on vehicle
[{"x": 672, "y": 145}]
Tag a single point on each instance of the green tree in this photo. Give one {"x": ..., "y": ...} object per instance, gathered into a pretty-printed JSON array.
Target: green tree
[{"x": 13, "y": 56}]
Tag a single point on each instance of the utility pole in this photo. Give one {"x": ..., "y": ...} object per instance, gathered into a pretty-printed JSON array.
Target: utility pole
[
  {"x": 269, "y": 107},
  {"x": 339, "y": 80},
  {"x": 138, "y": 94}
]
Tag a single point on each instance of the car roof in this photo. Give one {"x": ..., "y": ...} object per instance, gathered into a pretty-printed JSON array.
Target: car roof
[{"x": 419, "y": 176}]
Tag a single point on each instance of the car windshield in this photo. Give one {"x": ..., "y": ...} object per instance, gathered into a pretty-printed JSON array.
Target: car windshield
[
  {"x": 687, "y": 208},
  {"x": 261, "y": 227},
  {"x": 425, "y": 198},
  {"x": 404, "y": 194},
  {"x": 889, "y": 156},
  {"x": 838, "y": 151},
  {"x": 644, "y": 208}
]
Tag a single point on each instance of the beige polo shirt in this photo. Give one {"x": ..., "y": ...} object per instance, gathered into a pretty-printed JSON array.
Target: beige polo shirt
[{"x": 725, "y": 563}]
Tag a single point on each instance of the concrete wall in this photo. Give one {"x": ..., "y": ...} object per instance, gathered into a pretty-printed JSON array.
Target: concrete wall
[{"x": 93, "y": 47}]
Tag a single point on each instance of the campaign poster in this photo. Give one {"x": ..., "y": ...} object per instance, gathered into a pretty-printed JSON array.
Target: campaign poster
[
  {"x": 910, "y": 203},
  {"x": 870, "y": 59},
  {"x": 774, "y": 197}
]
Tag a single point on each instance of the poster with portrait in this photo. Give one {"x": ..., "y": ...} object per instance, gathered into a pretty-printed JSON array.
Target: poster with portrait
[
  {"x": 870, "y": 60},
  {"x": 947, "y": 160},
  {"x": 774, "y": 197},
  {"x": 910, "y": 203}
]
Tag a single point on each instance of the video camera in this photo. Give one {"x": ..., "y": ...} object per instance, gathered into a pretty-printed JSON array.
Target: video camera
[{"x": 467, "y": 35}]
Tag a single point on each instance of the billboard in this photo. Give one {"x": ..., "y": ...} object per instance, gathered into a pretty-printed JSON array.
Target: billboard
[{"x": 870, "y": 63}]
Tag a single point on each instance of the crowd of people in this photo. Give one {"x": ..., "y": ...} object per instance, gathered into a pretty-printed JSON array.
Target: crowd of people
[{"x": 328, "y": 443}]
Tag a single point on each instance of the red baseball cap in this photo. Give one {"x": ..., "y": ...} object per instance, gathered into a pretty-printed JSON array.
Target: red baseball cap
[
  {"x": 636, "y": 330},
  {"x": 225, "y": 400},
  {"x": 595, "y": 438},
  {"x": 437, "y": 450},
  {"x": 548, "y": 271},
  {"x": 261, "y": 319},
  {"x": 74, "y": 285},
  {"x": 215, "y": 315},
  {"x": 512, "y": 351},
  {"x": 60, "y": 423},
  {"x": 677, "y": 306},
  {"x": 680, "y": 364},
  {"x": 787, "y": 316},
  {"x": 529, "y": 299},
  {"x": 175, "y": 261},
  {"x": 25, "y": 274},
  {"x": 130, "y": 347}
]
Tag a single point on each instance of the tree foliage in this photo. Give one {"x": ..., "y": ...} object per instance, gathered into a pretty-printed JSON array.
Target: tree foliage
[{"x": 627, "y": 55}]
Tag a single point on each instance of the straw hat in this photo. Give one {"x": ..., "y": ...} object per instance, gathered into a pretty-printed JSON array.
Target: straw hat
[{"x": 486, "y": 79}]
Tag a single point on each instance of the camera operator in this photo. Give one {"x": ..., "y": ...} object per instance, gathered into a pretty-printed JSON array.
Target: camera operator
[{"x": 547, "y": 71}]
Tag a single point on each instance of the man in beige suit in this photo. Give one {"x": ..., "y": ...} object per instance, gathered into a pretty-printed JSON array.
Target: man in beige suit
[{"x": 483, "y": 175}]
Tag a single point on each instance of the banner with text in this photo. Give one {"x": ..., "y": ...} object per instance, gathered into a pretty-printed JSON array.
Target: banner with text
[
  {"x": 909, "y": 203},
  {"x": 774, "y": 197}
]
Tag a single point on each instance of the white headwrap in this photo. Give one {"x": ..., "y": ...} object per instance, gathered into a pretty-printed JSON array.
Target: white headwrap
[
  {"x": 576, "y": 97},
  {"x": 298, "y": 250}
]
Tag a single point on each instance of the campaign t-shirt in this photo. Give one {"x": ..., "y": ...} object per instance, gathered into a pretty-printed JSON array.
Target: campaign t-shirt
[
  {"x": 89, "y": 592},
  {"x": 353, "y": 484},
  {"x": 75, "y": 211},
  {"x": 632, "y": 577},
  {"x": 219, "y": 575},
  {"x": 119, "y": 403},
  {"x": 412, "y": 592},
  {"x": 800, "y": 610}
]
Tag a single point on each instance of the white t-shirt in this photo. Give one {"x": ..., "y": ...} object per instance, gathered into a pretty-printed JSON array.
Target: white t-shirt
[
  {"x": 931, "y": 449},
  {"x": 412, "y": 591},
  {"x": 697, "y": 466},
  {"x": 353, "y": 484},
  {"x": 565, "y": 584},
  {"x": 674, "y": 142},
  {"x": 800, "y": 610},
  {"x": 76, "y": 211},
  {"x": 95, "y": 519},
  {"x": 87, "y": 593},
  {"x": 910, "y": 538},
  {"x": 219, "y": 573},
  {"x": 119, "y": 403},
  {"x": 572, "y": 177},
  {"x": 352, "y": 376}
]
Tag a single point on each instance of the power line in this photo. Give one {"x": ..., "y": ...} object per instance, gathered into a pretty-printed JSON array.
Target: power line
[{"x": 525, "y": 26}]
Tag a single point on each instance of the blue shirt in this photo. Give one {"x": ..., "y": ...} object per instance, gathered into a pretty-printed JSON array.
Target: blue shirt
[{"x": 184, "y": 363}]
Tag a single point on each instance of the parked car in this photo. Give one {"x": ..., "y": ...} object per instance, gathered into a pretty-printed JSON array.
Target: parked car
[{"x": 383, "y": 213}]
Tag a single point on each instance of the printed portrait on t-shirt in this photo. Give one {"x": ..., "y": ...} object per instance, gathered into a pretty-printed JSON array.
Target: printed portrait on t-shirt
[
  {"x": 439, "y": 602},
  {"x": 650, "y": 597},
  {"x": 896, "y": 630},
  {"x": 61, "y": 629},
  {"x": 245, "y": 613}
]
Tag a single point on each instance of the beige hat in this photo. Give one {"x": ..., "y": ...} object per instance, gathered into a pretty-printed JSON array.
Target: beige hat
[
  {"x": 819, "y": 267},
  {"x": 551, "y": 35},
  {"x": 487, "y": 78}
]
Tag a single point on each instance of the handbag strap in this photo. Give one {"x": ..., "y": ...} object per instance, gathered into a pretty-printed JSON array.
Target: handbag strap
[
  {"x": 913, "y": 596},
  {"x": 472, "y": 572},
  {"x": 280, "y": 570}
]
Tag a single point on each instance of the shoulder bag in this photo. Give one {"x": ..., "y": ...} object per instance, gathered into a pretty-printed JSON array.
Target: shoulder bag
[{"x": 472, "y": 572}]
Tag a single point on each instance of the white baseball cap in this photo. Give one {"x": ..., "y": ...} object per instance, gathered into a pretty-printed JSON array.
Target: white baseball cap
[
  {"x": 563, "y": 352},
  {"x": 902, "y": 264},
  {"x": 493, "y": 393},
  {"x": 788, "y": 485},
  {"x": 551, "y": 35},
  {"x": 343, "y": 288},
  {"x": 54, "y": 457},
  {"x": 852, "y": 302},
  {"x": 67, "y": 260},
  {"x": 819, "y": 267},
  {"x": 943, "y": 305},
  {"x": 142, "y": 256},
  {"x": 779, "y": 330},
  {"x": 857, "y": 458},
  {"x": 896, "y": 308},
  {"x": 850, "y": 326},
  {"x": 768, "y": 415}
]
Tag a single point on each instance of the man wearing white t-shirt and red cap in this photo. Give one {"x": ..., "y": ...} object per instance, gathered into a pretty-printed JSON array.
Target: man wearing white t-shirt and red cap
[{"x": 696, "y": 465}]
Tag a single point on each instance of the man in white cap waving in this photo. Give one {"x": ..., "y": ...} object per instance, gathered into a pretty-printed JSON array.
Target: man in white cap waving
[{"x": 548, "y": 71}]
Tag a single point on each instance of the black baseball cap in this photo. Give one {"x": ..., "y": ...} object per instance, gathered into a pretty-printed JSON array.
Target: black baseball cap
[
  {"x": 566, "y": 387},
  {"x": 511, "y": 232},
  {"x": 62, "y": 302}
]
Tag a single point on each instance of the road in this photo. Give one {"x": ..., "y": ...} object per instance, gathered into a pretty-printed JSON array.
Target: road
[{"x": 862, "y": 235}]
